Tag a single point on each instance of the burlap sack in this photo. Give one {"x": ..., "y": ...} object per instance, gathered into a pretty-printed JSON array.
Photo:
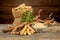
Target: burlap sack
[
  {"x": 18, "y": 11},
  {"x": 17, "y": 21}
]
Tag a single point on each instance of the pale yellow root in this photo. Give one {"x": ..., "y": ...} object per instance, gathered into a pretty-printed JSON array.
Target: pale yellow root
[
  {"x": 28, "y": 31},
  {"x": 22, "y": 5},
  {"x": 22, "y": 31},
  {"x": 31, "y": 28},
  {"x": 25, "y": 32}
]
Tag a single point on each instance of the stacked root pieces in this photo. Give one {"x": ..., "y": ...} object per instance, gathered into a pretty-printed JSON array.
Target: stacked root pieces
[
  {"x": 24, "y": 29},
  {"x": 20, "y": 28}
]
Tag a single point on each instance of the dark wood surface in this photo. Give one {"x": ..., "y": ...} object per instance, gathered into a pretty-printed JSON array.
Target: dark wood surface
[{"x": 48, "y": 6}]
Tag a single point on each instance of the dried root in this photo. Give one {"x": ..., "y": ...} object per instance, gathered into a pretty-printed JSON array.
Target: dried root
[
  {"x": 27, "y": 30},
  {"x": 24, "y": 29}
]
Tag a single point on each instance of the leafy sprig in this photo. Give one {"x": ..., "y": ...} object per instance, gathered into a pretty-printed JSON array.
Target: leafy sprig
[{"x": 27, "y": 17}]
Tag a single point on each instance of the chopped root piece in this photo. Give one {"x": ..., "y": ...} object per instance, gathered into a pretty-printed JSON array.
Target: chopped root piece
[{"x": 28, "y": 31}]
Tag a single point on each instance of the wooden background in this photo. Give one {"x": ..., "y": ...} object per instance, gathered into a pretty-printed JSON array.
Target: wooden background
[{"x": 48, "y": 6}]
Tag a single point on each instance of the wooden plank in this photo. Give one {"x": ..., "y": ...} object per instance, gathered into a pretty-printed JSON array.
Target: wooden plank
[
  {"x": 7, "y": 9},
  {"x": 6, "y": 16},
  {"x": 6, "y": 21},
  {"x": 41, "y": 3},
  {"x": 46, "y": 16},
  {"x": 47, "y": 10}
]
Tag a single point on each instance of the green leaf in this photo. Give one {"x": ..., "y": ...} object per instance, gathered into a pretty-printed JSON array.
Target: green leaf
[
  {"x": 27, "y": 16},
  {"x": 30, "y": 20}
]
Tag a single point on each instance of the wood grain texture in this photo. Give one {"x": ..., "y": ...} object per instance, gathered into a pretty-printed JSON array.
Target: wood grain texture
[
  {"x": 48, "y": 6},
  {"x": 46, "y": 3},
  {"x": 38, "y": 36}
]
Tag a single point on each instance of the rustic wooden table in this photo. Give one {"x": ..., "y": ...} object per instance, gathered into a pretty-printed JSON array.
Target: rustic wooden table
[{"x": 50, "y": 33}]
